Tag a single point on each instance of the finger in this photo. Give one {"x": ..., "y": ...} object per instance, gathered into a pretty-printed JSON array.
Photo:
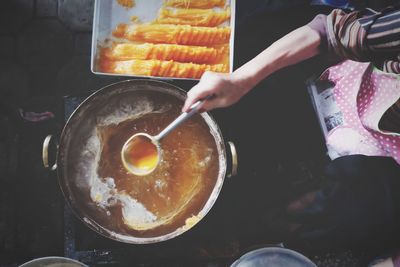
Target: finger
[
  {"x": 205, "y": 100},
  {"x": 210, "y": 104},
  {"x": 190, "y": 100},
  {"x": 195, "y": 94},
  {"x": 209, "y": 83}
]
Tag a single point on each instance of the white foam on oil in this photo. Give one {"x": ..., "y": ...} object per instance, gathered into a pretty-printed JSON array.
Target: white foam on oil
[
  {"x": 102, "y": 189},
  {"x": 136, "y": 215},
  {"x": 127, "y": 109},
  {"x": 204, "y": 162}
]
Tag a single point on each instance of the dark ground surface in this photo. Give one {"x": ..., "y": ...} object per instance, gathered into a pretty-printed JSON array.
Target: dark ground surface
[{"x": 45, "y": 55}]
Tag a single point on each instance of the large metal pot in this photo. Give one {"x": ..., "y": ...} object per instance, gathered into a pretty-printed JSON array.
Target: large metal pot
[{"x": 73, "y": 158}]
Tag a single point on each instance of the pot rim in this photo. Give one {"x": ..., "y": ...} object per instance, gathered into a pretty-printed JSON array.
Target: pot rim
[{"x": 91, "y": 223}]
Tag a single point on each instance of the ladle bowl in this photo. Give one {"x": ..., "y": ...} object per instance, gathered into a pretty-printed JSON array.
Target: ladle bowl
[{"x": 141, "y": 154}]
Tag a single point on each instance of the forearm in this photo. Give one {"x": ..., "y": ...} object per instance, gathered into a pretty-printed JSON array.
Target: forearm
[{"x": 298, "y": 45}]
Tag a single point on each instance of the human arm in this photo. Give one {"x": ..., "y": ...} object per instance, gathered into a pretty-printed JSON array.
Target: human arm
[
  {"x": 367, "y": 36},
  {"x": 298, "y": 45}
]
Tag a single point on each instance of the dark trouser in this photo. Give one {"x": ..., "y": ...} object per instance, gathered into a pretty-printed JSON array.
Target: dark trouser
[{"x": 359, "y": 207}]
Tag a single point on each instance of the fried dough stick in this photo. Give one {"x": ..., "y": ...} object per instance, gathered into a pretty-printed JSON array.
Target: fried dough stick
[
  {"x": 173, "y": 34},
  {"x": 195, "y": 3},
  {"x": 160, "y": 68},
  {"x": 180, "y": 53},
  {"x": 193, "y": 17}
]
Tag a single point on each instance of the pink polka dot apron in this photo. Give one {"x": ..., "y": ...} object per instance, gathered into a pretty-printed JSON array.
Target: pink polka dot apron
[{"x": 363, "y": 94}]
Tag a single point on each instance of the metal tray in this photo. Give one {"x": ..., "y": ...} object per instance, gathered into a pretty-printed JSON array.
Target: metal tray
[{"x": 109, "y": 13}]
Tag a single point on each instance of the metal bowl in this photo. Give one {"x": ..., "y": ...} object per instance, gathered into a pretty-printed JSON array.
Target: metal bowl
[
  {"x": 273, "y": 256},
  {"x": 53, "y": 262}
]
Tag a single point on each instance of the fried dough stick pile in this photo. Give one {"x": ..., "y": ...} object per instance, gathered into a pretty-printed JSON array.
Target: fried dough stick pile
[{"x": 183, "y": 42}]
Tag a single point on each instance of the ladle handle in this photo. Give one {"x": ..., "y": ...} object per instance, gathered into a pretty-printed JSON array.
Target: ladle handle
[{"x": 181, "y": 118}]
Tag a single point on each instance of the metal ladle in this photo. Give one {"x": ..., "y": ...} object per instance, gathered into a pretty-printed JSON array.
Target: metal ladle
[{"x": 141, "y": 153}]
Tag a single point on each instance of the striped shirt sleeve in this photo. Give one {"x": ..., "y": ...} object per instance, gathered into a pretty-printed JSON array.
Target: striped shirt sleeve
[
  {"x": 345, "y": 37},
  {"x": 366, "y": 36},
  {"x": 383, "y": 38}
]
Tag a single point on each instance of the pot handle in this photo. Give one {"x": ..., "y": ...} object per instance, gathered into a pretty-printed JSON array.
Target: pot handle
[
  {"x": 234, "y": 159},
  {"x": 45, "y": 153}
]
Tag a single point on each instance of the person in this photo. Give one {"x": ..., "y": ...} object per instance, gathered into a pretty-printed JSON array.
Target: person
[{"x": 361, "y": 201}]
